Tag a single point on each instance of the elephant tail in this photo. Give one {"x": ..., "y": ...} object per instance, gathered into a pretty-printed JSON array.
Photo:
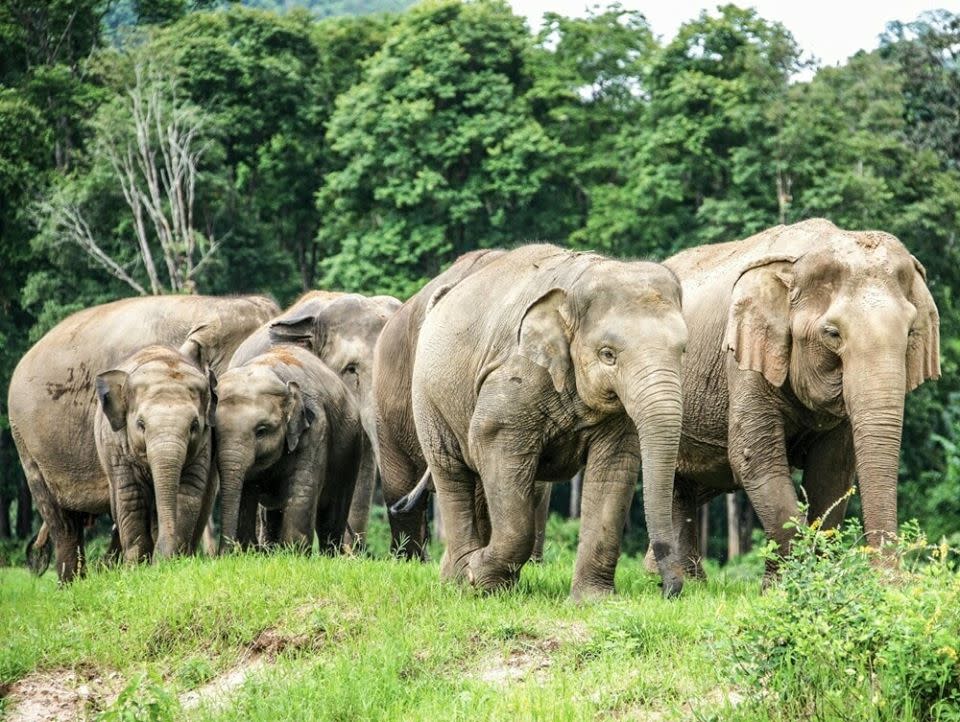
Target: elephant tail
[
  {"x": 39, "y": 550},
  {"x": 416, "y": 499}
]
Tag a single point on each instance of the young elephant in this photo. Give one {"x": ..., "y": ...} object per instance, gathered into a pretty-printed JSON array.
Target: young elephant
[
  {"x": 154, "y": 442},
  {"x": 541, "y": 362},
  {"x": 804, "y": 341},
  {"x": 288, "y": 438},
  {"x": 53, "y": 402},
  {"x": 341, "y": 329}
]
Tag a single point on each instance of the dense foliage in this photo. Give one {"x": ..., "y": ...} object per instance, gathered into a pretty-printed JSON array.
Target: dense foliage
[
  {"x": 367, "y": 152},
  {"x": 839, "y": 639}
]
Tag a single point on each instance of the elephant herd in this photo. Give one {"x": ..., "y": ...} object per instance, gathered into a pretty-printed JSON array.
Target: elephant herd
[{"x": 723, "y": 368}]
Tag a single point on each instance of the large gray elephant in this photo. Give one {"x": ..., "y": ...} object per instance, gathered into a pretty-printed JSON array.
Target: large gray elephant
[
  {"x": 342, "y": 330},
  {"x": 53, "y": 401},
  {"x": 403, "y": 468},
  {"x": 288, "y": 438},
  {"x": 540, "y": 363},
  {"x": 804, "y": 340},
  {"x": 155, "y": 433}
]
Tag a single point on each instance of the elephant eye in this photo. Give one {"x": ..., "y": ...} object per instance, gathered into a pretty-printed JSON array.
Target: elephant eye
[
  {"x": 831, "y": 332},
  {"x": 607, "y": 355},
  {"x": 261, "y": 431},
  {"x": 349, "y": 369},
  {"x": 194, "y": 426},
  {"x": 141, "y": 424}
]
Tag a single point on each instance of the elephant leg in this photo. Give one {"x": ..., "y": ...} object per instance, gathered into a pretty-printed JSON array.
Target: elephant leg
[
  {"x": 247, "y": 520},
  {"x": 362, "y": 496},
  {"x": 408, "y": 530},
  {"x": 509, "y": 488},
  {"x": 608, "y": 485},
  {"x": 269, "y": 522},
  {"x": 132, "y": 512},
  {"x": 68, "y": 545},
  {"x": 828, "y": 474},
  {"x": 300, "y": 511},
  {"x": 686, "y": 500},
  {"x": 195, "y": 497},
  {"x": 540, "y": 520},
  {"x": 758, "y": 458},
  {"x": 64, "y": 528}
]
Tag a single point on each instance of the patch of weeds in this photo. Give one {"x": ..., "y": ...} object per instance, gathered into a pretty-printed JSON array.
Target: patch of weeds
[
  {"x": 144, "y": 699},
  {"x": 194, "y": 672}
]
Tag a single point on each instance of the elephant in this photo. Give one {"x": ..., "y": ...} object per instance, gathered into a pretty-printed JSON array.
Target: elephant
[
  {"x": 342, "y": 330},
  {"x": 403, "y": 468},
  {"x": 155, "y": 434},
  {"x": 53, "y": 402},
  {"x": 289, "y": 438},
  {"x": 805, "y": 339},
  {"x": 541, "y": 363}
]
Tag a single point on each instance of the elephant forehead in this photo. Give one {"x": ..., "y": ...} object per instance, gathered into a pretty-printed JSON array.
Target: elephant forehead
[
  {"x": 249, "y": 382},
  {"x": 865, "y": 251},
  {"x": 164, "y": 374}
]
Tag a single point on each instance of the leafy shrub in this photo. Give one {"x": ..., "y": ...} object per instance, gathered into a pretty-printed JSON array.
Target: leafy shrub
[{"x": 841, "y": 637}]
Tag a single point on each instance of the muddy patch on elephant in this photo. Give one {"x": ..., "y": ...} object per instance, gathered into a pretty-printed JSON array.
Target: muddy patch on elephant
[{"x": 59, "y": 695}]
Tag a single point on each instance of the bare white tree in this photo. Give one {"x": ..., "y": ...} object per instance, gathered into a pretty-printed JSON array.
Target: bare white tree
[{"x": 154, "y": 146}]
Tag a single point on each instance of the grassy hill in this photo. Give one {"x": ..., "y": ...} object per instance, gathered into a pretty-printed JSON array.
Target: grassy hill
[{"x": 252, "y": 637}]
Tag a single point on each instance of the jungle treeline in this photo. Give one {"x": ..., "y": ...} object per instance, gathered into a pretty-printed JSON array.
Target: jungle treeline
[{"x": 216, "y": 148}]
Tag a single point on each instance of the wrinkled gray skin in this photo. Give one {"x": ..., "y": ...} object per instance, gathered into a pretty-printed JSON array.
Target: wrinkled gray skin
[
  {"x": 406, "y": 485},
  {"x": 53, "y": 402},
  {"x": 804, "y": 340},
  {"x": 342, "y": 330},
  {"x": 289, "y": 439},
  {"x": 154, "y": 442},
  {"x": 543, "y": 362}
]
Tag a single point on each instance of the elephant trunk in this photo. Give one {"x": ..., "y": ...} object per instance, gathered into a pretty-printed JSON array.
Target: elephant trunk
[
  {"x": 874, "y": 397},
  {"x": 654, "y": 402},
  {"x": 233, "y": 467},
  {"x": 166, "y": 456}
]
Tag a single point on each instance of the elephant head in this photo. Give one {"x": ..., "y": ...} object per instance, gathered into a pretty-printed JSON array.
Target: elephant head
[
  {"x": 342, "y": 330},
  {"x": 617, "y": 336},
  {"x": 165, "y": 405},
  {"x": 846, "y": 320},
  {"x": 259, "y": 419}
]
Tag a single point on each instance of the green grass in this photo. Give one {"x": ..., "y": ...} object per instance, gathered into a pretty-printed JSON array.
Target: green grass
[{"x": 367, "y": 638}]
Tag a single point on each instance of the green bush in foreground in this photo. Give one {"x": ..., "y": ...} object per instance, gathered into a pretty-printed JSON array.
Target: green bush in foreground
[{"x": 841, "y": 638}]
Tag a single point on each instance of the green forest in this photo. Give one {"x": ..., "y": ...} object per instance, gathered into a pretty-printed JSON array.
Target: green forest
[{"x": 307, "y": 148}]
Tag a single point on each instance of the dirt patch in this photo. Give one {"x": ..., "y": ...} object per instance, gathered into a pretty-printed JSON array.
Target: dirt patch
[
  {"x": 59, "y": 695},
  {"x": 529, "y": 656},
  {"x": 215, "y": 693},
  {"x": 260, "y": 652}
]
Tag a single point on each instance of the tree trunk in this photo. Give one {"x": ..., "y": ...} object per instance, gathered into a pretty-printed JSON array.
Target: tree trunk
[
  {"x": 5, "y": 503},
  {"x": 703, "y": 526},
  {"x": 739, "y": 525},
  {"x": 576, "y": 486}
]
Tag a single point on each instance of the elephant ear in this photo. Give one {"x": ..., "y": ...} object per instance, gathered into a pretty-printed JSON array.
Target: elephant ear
[
  {"x": 758, "y": 325},
  {"x": 544, "y": 336},
  {"x": 923, "y": 346},
  {"x": 213, "y": 398},
  {"x": 201, "y": 343},
  {"x": 299, "y": 415},
  {"x": 305, "y": 328},
  {"x": 113, "y": 401}
]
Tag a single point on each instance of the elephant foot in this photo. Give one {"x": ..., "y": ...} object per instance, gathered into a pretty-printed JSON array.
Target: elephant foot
[
  {"x": 490, "y": 576},
  {"x": 453, "y": 567},
  {"x": 582, "y": 593}
]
